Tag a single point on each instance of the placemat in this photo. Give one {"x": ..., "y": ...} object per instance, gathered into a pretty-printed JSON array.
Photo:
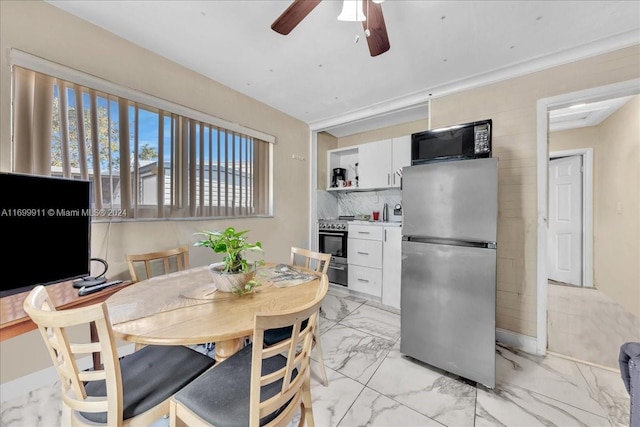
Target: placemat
[{"x": 283, "y": 275}]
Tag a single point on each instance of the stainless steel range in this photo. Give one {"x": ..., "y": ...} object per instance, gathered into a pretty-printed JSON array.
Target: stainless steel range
[{"x": 332, "y": 239}]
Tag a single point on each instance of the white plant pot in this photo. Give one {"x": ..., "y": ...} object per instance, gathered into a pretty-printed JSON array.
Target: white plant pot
[{"x": 228, "y": 282}]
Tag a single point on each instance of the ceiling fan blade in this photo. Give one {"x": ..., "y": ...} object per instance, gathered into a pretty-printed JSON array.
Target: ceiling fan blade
[
  {"x": 378, "y": 39},
  {"x": 294, "y": 14}
]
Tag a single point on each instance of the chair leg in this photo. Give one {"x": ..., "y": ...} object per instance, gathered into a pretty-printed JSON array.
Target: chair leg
[
  {"x": 302, "y": 414},
  {"x": 307, "y": 413},
  {"x": 172, "y": 413},
  {"x": 318, "y": 345},
  {"x": 65, "y": 420}
]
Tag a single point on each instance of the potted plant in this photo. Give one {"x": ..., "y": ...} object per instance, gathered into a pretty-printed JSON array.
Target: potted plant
[{"x": 235, "y": 273}]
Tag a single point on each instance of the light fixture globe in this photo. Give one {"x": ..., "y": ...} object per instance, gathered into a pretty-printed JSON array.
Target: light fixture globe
[{"x": 352, "y": 11}]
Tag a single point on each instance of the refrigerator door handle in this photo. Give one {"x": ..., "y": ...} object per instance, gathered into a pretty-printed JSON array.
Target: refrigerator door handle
[{"x": 451, "y": 242}]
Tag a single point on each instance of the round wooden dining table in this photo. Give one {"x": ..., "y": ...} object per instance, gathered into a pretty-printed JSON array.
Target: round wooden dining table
[{"x": 184, "y": 308}]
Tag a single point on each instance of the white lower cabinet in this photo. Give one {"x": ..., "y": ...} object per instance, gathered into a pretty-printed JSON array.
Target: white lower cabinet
[
  {"x": 367, "y": 280},
  {"x": 391, "y": 266},
  {"x": 375, "y": 261},
  {"x": 364, "y": 252}
]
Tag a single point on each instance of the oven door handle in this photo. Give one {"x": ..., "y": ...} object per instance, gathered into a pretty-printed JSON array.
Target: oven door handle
[{"x": 336, "y": 268}]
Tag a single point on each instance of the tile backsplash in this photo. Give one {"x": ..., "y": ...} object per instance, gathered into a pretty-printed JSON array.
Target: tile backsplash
[{"x": 332, "y": 204}]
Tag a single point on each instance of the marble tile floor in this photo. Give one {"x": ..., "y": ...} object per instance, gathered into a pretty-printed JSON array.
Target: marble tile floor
[{"x": 372, "y": 384}]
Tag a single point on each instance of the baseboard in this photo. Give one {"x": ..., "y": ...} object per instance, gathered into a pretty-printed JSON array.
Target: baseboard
[
  {"x": 584, "y": 362},
  {"x": 45, "y": 377},
  {"x": 521, "y": 342}
]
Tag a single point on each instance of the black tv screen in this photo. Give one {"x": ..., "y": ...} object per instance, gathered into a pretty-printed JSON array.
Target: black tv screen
[{"x": 46, "y": 230}]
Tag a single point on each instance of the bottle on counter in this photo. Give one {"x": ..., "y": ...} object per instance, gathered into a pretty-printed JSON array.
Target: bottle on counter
[{"x": 385, "y": 213}]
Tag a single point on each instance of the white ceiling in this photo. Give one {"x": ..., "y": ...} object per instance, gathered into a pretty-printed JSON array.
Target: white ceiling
[
  {"x": 584, "y": 114},
  {"x": 318, "y": 73}
]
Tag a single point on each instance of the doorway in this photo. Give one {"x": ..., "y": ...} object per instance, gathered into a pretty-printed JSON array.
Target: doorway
[
  {"x": 570, "y": 228},
  {"x": 630, "y": 87}
]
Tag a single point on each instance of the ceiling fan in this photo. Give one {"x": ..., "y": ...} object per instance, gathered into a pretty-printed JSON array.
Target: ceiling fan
[{"x": 374, "y": 26}]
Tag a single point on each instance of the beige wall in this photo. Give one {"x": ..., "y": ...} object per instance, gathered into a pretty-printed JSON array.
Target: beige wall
[
  {"x": 325, "y": 143},
  {"x": 617, "y": 214},
  {"x": 37, "y": 28},
  {"x": 616, "y": 200},
  {"x": 384, "y": 133}
]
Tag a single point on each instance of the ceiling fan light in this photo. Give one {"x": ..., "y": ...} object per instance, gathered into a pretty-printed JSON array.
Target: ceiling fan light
[{"x": 352, "y": 11}]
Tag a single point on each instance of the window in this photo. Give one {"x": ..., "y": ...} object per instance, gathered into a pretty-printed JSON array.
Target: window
[{"x": 145, "y": 161}]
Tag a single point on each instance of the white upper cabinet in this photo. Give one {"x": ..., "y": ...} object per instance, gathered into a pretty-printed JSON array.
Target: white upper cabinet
[
  {"x": 375, "y": 163},
  {"x": 380, "y": 160},
  {"x": 400, "y": 157}
]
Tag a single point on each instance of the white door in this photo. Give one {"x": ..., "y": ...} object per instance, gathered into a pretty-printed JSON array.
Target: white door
[{"x": 565, "y": 220}]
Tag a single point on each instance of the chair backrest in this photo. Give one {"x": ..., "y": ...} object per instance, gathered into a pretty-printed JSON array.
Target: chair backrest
[
  {"x": 297, "y": 349},
  {"x": 147, "y": 265},
  {"x": 64, "y": 352},
  {"x": 300, "y": 256}
]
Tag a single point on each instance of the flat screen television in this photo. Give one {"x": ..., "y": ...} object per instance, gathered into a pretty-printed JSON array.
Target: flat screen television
[{"x": 45, "y": 224}]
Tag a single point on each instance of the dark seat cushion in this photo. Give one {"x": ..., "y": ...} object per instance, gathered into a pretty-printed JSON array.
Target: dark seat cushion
[
  {"x": 221, "y": 396},
  {"x": 150, "y": 376},
  {"x": 273, "y": 336}
]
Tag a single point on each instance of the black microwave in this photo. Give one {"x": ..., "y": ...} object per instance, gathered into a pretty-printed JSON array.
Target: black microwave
[{"x": 465, "y": 141}]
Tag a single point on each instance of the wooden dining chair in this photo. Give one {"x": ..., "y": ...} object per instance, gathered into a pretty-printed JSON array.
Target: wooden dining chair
[
  {"x": 257, "y": 386},
  {"x": 146, "y": 265},
  {"x": 133, "y": 390},
  {"x": 319, "y": 262}
]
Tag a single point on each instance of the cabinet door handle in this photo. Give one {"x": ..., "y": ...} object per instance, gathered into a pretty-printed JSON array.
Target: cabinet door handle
[
  {"x": 363, "y": 253},
  {"x": 388, "y": 179},
  {"x": 364, "y": 232},
  {"x": 363, "y": 280},
  {"x": 385, "y": 234}
]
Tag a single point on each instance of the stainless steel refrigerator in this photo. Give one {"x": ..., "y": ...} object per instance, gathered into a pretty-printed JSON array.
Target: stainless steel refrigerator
[{"x": 448, "y": 288}]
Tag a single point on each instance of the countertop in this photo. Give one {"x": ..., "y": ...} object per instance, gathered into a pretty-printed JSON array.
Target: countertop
[{"x": 378, "y": 223}]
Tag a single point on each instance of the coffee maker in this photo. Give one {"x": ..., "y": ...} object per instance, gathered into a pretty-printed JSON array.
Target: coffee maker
[{"x": 339, "y": 174}]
